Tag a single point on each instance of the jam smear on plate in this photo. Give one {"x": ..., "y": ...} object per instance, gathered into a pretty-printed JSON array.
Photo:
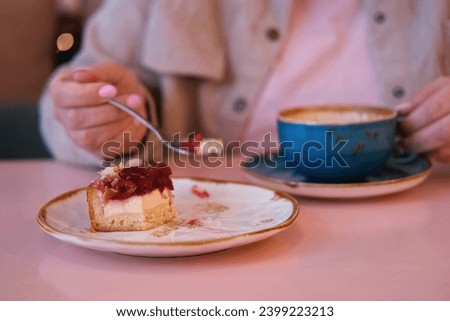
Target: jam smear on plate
[{"x": 200, "y": 192}]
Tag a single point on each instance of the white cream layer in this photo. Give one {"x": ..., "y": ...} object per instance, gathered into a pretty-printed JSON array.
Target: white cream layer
[{"x": 136, "y": 204}]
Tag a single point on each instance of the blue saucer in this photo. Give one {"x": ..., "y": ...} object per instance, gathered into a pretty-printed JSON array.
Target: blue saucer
[{"x": 397, "y": 175}]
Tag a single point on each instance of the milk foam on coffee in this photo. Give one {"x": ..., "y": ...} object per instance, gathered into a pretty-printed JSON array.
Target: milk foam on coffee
[{"x": 339, "y": 115}]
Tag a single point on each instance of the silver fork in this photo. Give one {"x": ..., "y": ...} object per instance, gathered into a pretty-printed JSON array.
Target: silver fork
[{"x": 153, "y": 129}]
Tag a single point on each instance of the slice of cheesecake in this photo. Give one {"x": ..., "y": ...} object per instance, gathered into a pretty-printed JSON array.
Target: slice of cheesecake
[{"x": 131, "y": 198}]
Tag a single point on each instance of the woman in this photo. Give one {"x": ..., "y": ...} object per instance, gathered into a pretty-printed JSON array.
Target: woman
[{"x": 226, "y": 67}]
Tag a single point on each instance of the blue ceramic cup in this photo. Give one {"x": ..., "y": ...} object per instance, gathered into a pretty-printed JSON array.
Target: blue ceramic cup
[{"x": 336, "y": 143}]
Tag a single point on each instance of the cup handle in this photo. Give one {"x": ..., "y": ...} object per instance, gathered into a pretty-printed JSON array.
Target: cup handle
[{"x": 399, "y": 156}]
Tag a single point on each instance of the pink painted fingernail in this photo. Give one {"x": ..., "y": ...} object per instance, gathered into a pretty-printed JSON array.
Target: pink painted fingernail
[
  {"x": 107, "y": 91},
  {"x": 134, "y": 101},
  {"x": 403, "y": 108}
]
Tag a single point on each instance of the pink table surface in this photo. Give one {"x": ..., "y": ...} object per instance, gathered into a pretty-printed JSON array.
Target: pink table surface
[{"x": 394, "y": 247}]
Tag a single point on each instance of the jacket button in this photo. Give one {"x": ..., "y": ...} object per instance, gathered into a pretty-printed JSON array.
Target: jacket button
[
  {"x": 379, "y": 17},
  {"x": 239, "y": 105},
  {"x": 398, "y": 92},
  {"x": 272, "y": 34}
]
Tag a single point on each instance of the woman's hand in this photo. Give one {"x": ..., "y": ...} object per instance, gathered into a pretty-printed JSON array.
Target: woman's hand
[
  {"x": 81, "y": 105},
  {"x": 426, "y": 128}
]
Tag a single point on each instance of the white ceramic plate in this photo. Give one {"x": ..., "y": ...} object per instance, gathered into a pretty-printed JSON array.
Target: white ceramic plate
[
  {"x": 269, "y": 171},
  {"x": 234, "y": 214}
]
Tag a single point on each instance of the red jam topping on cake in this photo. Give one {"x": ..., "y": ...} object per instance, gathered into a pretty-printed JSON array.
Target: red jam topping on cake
[{"x": 118, "y": 183}]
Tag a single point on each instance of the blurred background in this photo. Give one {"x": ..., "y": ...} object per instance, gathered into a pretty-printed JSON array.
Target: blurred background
[{"x": 35, "y": 37}]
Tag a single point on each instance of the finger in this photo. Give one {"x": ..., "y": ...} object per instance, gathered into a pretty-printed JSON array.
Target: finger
[
  {"x": 403, "y": 108},
  {"x": 84, "y": 76},
  {"x": 89, "y": 116},
  {"x": 433, "y": 108},
  {"x": 93, "y": 138},
  {"x": 92, "y": 116},
  {"x": 430, "y": 137},
  {"x": 137, "y": 103},
  {"x": 134, "y": 101},
  {"x": 423, "y": 95},
  {"x": 429, "y": 90},
  {"x": 99, "y": 115},
  {"x": 69, "y": 93},
  {"x": 442, "y": 154},
  {"x": 108, "y": 71}
]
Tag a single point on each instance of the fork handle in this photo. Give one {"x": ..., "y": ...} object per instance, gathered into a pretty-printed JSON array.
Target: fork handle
[{"x": 147, "y": 124}]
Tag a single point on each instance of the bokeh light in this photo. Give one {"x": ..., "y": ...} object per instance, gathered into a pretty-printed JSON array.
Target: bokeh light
[{"x": 65, "y": 41}]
